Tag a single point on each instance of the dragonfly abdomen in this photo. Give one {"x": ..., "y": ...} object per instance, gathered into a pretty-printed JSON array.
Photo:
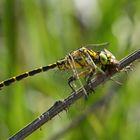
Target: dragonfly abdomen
[{"x": 27, "y": 74}]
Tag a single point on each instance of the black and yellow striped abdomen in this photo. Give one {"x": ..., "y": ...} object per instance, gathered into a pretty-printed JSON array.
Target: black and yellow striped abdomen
[{"x": 27, "y": 74}]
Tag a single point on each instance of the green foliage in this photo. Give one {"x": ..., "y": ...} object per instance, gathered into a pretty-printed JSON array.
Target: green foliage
[{"x": 34, "y": 33}]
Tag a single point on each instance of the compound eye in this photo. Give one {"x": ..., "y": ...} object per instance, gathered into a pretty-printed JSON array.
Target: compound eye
[{"x": 103, "y": 58}]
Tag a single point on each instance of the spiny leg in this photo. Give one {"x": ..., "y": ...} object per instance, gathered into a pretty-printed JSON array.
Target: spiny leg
[
  {"x": 73, "y": 67},
  {"x": 91, "y": 66},
  {"x": 81, "y": 74},
  {"x": 89, "y": 75},
  {"x": 126, "y": 70},
  {"x": 88, "y": 78},
  {"x": 75, "y": 75},
  {"x": 119, "y": 83},
  {"x": 70, "y": 80}
]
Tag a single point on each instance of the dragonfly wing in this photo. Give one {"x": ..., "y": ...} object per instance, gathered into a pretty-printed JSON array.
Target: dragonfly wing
[{"x": 97, "y": 47}]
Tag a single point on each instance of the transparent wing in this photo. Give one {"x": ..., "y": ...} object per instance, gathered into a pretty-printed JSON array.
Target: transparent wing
[{"x": 97, "y": 47}]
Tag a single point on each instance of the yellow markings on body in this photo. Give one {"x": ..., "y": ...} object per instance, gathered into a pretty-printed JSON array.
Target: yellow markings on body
[
  {"x": 108, "y": 55},
  {"x": 14, "y": 78},
  {"x": 41, "y": 68},
  {"x": 27, "y": 73},
  {"x": 82, "y": 62}
]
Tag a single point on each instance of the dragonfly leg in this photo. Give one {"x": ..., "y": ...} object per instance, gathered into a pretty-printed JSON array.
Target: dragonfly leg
[
  {"x": 88, "y": 78},
  {"x": 70, "y": 80},
  {"x": 75, "y": 77}
]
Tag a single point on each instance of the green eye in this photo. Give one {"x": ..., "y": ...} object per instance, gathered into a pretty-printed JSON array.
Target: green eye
[{"x": 103, "y": 58}]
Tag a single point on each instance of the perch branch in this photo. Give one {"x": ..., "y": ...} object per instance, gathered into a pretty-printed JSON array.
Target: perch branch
[
  {"x": 63, "y": 105},
  {"x": 89, "y": 110}
]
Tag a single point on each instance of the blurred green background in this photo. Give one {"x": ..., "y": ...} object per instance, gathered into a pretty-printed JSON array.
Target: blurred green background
[{"x": 34, "y": 33}]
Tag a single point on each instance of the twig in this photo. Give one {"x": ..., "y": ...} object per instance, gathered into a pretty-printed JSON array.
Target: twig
[
  {"x": 63, "y": 105},
  {"x": 89, "y": 110}
]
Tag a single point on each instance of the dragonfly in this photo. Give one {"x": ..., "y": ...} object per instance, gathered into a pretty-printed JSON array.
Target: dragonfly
[{"x": 84, "y": 62}]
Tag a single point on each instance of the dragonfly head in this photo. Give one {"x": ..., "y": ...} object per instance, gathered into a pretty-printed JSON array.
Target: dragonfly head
[{"x": 107, "y": 58}]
